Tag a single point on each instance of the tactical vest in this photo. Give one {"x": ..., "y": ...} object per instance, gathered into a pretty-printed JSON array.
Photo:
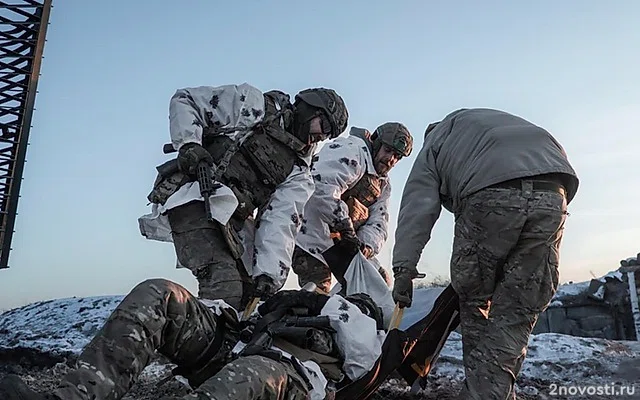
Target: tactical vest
[
  {"x": 263, "y": 161},
  {"x": 367, "y": 190}
]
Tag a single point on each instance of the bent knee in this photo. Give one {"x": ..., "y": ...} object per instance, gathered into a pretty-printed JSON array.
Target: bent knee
[{"x": 157, "y": 286}]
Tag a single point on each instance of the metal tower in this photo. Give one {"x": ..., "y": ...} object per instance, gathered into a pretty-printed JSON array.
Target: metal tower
[{"x": 23, "y": 27}]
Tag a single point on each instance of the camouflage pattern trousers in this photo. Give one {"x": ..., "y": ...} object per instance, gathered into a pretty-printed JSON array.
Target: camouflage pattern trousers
[
  {"x": 504, "y": 268},
  {"x": 159, "y": 315},
  {"x": 200, "y": 246}
]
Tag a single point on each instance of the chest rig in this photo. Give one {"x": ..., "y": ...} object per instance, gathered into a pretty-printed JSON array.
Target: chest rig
[
  {"x": 367, "y": 190},
  {"x": 263, "y": 161},
  {"x": 254, "y": 169}
]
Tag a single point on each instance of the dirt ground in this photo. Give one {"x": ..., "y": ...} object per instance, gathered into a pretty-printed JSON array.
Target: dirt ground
[{"x": 43, "y": 373}]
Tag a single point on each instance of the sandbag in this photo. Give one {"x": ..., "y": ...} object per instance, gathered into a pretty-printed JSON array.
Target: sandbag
[{"x": 362, "y": 276}]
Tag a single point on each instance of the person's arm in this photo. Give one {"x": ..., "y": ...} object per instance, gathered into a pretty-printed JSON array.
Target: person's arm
[
  {"x": 336, "y": 167},
  {"x": 420, "y": 208},
  {"x": 192, "y": 109},
  {"x": 374, "y": 232},
  {"x": 279, "y": 224}
]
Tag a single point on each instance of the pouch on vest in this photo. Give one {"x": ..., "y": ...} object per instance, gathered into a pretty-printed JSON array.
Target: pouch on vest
[
  {"x": 233, "y": 240},
  {"x": 168, "y": 181},
  {"x": 366, "y": 190},
  {"x": 358, "y": 212}
]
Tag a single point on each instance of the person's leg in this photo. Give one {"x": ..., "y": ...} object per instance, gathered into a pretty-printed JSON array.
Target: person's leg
[
  {"x": 156, "y": 314},
  {"x": 486, "y": 231},
  {"x": 201, "y": 246},
  {"x": 310, "y": 269},
  {"x": 253, "y": 378},
  {"x": 530, "y": 282}
]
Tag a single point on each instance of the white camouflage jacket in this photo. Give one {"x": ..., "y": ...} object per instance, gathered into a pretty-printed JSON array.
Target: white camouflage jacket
[
  {"x": 190, "y": 110},
  {"x": 337, "y": 167}
]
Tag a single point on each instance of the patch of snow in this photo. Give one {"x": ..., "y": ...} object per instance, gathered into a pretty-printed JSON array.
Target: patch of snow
[
  {"x": 612, "y": 275},
  {"x": 65, "y": 326},
  {"x": 58, "y": 327},
  {"x": 423, "y": 300},
  {"x": 156, "y": 371},
  {"x": 528, "y": 390},
  {"x": 449, "y": 363},
  {"x": 217, "y": 305},
  {"x": 552, "y": 357},
  {"x": 571, "y": 289},
  {"x": 599, "y": 294}
]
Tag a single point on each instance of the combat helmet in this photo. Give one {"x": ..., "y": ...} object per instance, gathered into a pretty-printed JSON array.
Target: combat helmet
[
  {"x": 394, "y": 135},
  {"x": 333, "y": 107}
]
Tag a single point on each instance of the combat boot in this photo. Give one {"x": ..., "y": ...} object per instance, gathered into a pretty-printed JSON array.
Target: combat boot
[{"x": 12, "y": 387}]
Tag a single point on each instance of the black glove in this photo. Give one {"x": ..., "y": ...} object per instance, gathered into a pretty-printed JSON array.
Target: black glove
[
  {"x": 264, "y": 287},
  {"x": 313, "y": 301},
  {"x": 348, "y": 239},
  {"x": 403, "y": 286},
  {"x": 190, "y": 155}
]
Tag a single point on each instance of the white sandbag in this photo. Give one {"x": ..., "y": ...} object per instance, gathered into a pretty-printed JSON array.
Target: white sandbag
[{"x": 362, "y": 276}]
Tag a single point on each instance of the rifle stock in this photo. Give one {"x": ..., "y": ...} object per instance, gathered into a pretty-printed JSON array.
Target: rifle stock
[{"x": 168, "y": 148}]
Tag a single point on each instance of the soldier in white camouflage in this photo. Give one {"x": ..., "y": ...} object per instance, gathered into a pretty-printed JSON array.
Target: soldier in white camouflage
[
  {"x": 258, "y": 148},
  {"x": 202, "y": 338},
  {"x": 508, "y": 183},
  {"x": 350, "y": 203}
]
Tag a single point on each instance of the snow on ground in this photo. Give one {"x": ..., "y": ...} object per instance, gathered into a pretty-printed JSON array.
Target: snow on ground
[
  {"x": 551, "y": 358},
  {"x": 423, "y": 299},
  {"x": 59, "y": 327},
  {"x": 63, "y": 327},
  {"x": 570, "y": 289},
  {"x": 554, "y": 363},
  {"x": 556, "y": 357}
]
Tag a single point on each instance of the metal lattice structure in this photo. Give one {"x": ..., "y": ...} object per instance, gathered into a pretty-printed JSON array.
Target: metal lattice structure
[{"x": 23, "y": 27}]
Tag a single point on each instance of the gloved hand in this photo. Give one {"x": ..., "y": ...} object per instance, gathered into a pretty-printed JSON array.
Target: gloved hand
[
  {"x": 264, "y": 287},
  {"x": 190, "y": 155},
  {"x": 313, "y": 301},
  {"x": 367, "y": 251},
  {"x": 348, "y": 238},
  {"x": 403, "y": 286}
]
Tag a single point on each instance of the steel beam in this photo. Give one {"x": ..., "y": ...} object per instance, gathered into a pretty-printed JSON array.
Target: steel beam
[{"x": 23, "y": 28}]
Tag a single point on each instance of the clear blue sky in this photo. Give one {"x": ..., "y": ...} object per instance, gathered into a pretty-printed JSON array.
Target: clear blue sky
[{"x": 110, "y": 68}]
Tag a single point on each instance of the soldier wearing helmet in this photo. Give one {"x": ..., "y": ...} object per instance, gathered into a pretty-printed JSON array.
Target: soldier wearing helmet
[
  {"x": 349, "y": 207},
  {"x": 258, "y": 147}
]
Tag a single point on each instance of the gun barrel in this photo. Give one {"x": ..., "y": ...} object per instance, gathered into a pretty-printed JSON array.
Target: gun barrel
[
  {"x": 321, "y": 322},
  {"x": 300, "y": 336}
]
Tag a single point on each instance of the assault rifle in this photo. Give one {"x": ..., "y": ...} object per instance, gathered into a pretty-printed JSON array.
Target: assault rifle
[
  {"x": 207, "y": 187},
  {"x": 298, "y": 329},
  {"x": 294, "y": 325}
]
